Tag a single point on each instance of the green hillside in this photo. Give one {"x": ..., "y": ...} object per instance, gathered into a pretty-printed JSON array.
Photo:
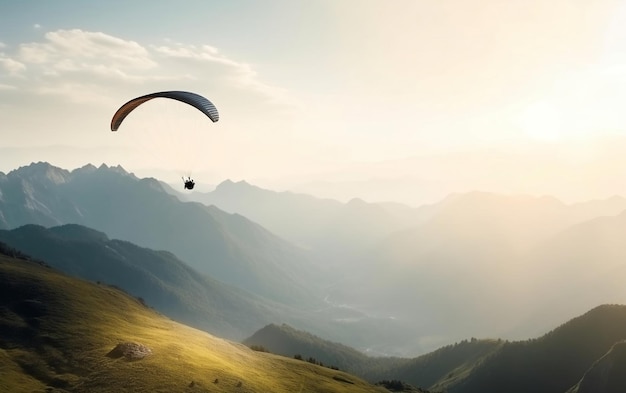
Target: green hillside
[{"x": 56, "y": 332}]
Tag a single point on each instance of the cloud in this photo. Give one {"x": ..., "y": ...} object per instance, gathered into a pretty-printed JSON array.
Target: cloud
[
  {"x": 67, "y": 50},
  {"x": 76, "y": 66},
  {"x": 11, "y": 66},
  {"x": 236, "y": 73},
  {"x": 7, "y": 87},
  {"x": 66, "y": 62}
]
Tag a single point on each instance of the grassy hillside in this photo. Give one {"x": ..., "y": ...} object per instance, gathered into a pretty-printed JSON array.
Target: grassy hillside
[{"x": 56, "y": 332}]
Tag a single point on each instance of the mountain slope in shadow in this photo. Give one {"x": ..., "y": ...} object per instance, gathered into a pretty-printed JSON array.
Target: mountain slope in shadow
[
  {"x": 157, "y": 277},
  {"x": 607, "y": 374}
]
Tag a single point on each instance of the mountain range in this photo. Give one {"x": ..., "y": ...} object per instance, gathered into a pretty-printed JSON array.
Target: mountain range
[
  {"x": 335, "y": 231},
  {"x": 229, "y": 247},
  {"x": 372, "y": 278},
  {"x": 384, "y": 278},
  {"x": 138, "y": 209},
  {"x": 504, "y": 264}
]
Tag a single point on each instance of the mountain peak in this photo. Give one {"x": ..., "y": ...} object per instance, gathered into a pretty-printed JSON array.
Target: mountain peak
[
  {"x": 118, "y": 169},
  {"x": 42, "y": 170},
  {"x": 89, "y": 168},
  {"x": 229, "y": 186},
  {"x": 230, "y": 183},
  {"x": 357, "y": 202}
]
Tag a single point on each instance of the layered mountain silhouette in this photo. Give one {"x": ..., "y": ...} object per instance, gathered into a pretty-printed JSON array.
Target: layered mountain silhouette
[
  {"x": 482, "y": 258},
  {"x": 157, "y": 277},
  {"x": 513, "y": 222},
  {"x": 335, "y": 231},
  {"x": 229, "y": 247},
  {"x": 380, "y": 277},
  {"x": 384, "y": 278}
]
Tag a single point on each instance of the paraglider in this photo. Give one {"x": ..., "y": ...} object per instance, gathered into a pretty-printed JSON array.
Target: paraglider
[
  {"x": 195, "y": 100},
  {"x": 189, "y": 183}
]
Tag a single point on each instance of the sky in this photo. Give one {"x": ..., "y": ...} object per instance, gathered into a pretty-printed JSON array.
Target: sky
[{"x": 404, "y": 101}]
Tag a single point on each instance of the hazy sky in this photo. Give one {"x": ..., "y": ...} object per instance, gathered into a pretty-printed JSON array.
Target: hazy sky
[{"x": 405, "y": 100}]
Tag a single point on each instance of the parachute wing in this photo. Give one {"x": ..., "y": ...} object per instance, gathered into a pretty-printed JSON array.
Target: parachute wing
[{"x": 197, "y": 101}]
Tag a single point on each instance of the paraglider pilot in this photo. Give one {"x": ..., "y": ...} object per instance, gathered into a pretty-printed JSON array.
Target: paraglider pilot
[{"x": 189, "y": 183}]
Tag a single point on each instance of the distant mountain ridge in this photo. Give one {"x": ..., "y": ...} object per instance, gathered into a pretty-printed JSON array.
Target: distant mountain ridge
[
  {"x": 483, "y": 257},
  {"x": 534, "y": 217},
  {"x": 334, "y": 230}
]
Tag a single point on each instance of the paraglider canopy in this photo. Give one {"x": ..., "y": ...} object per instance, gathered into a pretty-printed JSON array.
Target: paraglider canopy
[{"x": 197, "y": 101}]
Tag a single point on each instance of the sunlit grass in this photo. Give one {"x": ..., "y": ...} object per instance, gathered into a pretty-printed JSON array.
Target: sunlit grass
[{"x": 82, "y": 322}]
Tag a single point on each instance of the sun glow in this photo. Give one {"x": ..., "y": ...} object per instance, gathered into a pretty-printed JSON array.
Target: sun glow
[{"x": 541, "y": 120}]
